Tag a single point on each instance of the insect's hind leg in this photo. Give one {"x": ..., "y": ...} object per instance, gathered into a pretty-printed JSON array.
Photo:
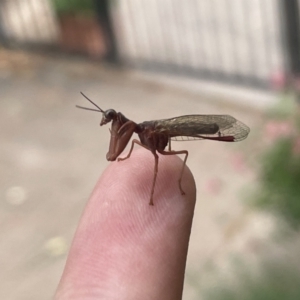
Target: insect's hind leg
[
  {"x": 130, "y": 151},
  {"x": 183, "y": 165}
]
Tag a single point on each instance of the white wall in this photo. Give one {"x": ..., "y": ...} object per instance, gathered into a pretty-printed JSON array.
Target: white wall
[{"x": 29, "y": 20}]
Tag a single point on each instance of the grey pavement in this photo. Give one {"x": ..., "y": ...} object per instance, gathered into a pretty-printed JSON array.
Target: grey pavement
[{"x": 52, "y": 154}]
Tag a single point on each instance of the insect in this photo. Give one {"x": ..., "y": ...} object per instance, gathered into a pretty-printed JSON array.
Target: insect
[{"x": 156, "y": 135}]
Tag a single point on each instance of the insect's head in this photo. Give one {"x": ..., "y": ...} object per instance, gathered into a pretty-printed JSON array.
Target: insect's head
[{"x": 107, "y": 115}]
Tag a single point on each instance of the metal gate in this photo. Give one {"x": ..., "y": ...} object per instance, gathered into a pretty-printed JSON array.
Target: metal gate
[{"x": 234, "y": 41}]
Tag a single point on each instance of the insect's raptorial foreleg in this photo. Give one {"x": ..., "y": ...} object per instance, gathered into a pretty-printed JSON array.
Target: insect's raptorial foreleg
[
  {"x": 130, "y": 151},
  {"x": 183, "y": 165}
]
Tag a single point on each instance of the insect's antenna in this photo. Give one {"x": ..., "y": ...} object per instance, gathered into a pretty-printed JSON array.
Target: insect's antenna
[
  {"x": 86, "y": 108},
  {"x": 99, "y": 109}
]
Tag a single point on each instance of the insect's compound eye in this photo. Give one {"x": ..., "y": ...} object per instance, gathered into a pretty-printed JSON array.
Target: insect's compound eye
[{"x": 110, "y": 114}]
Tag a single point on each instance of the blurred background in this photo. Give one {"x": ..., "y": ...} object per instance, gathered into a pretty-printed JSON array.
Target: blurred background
[{"x": 152, "y": 60}]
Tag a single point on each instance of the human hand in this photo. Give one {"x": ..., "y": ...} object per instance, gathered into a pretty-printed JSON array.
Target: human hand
[{"x": 124, "y": 248}]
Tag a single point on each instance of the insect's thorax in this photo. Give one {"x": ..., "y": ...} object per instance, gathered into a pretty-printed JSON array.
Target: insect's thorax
[{"x": 150, "y": 137}]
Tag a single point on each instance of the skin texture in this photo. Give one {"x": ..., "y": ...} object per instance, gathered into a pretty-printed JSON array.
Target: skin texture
[{"x": 123, "y": 247}]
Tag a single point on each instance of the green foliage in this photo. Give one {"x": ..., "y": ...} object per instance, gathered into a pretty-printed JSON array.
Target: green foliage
[
  {"x": 73, "y": 6},
  {"x": 281, "y": 180}
]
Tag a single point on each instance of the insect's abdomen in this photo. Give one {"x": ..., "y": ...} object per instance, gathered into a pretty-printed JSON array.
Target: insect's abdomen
[{"x": 191, "y": 128}]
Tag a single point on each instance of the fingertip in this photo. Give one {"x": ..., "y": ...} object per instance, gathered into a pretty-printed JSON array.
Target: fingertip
[{"x": 123, "y": 241}]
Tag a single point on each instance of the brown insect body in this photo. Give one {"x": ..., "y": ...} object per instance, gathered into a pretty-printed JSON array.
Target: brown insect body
[{"x": 156, "y": 135}]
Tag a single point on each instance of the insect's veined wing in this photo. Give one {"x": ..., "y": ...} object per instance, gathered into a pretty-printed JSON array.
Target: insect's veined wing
[{"x": 214, "y": 127}]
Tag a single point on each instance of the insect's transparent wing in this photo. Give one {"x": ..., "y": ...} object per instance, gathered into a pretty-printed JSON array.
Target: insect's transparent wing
[{"x": 216, "y": 127}]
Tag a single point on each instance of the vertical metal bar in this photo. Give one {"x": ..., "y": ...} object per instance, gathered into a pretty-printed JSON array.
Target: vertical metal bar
[
  {"x": 176, "y": 59},
  {"x": 187, "y": 34},
  {"x": 51, "y": 18},
  {"x": 132, "y": 32},
  {"x": 174, "y": 10},
  {"x": 236, "y": 27},
  {"x": 248, "y": 7},
  {"x": 34, "y": 21},
  {"x": 144, "y": 20},
  {"x": 232, "y": 32},
  {"x": 216, "y": 49},
  {"x": 244, "y": 65},
  {"x": 275, "y": 41},
  {"x": 291, "y": 35},
  {"x": 205, "y": 40},
  {"x": 3, "y": 37},
  {"x": 126, "y": 40},
  {"x": 291, "y": 38},
  {"x": 103, "y": 14},
  {"x": 266, "y": 34},
  {"x": 199, "y": 40},
  {"x": 149, "y": 13},
  {"x": 164, "y": 24},
  {"x": 22, "y": 30},
  {"x": 156, "y": 27}
]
